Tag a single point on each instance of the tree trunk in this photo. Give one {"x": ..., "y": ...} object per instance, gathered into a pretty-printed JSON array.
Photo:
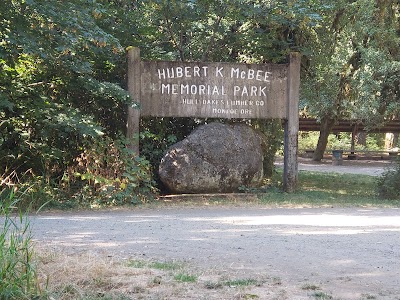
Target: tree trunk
[
  {"x": 396, "y": 140},
  {"x": 328, "y": 121},
  {"x": 362, "y": 138},
  {"x": 325, "y": 129},
  {"x": 389, "y": 141}
]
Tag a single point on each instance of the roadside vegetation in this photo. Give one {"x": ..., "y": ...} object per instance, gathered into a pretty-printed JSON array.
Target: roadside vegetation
[
  {"x": 88, "y": 276},
  {"x": 18, "y": 270},
  {"x": 388, "y": 185},
  {"x": 333, "y": 189}
]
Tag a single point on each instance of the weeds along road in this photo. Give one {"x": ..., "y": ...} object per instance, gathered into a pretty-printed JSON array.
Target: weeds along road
[{"x": 349, "y": 252}]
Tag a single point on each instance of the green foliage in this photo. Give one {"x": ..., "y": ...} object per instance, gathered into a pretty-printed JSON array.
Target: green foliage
[
  {"x": 158, "y": 134},
  {"x": 166, "y": 266},
  {"x": 308, "y": 141},
  {"x": 137, "y": 264},
  {"x": 183, "y": 277},
  {"x": 321, "y": 295},
  {"x": 352, "y": 63},
  {"x": 55, "y": 61},
  {"x": 37, "y": 193},
  {"x": 61, "y": 88},
  {"x": 107, "y": 172},
  {"x": 388, "y": 184},
  {"x": 158, "y": 265},
  {"x": 247, "y": 31},
  {"x": 242, "y": 282},
  {"x": 17, "y": 269},
  {"x": 272, "y": 129}
]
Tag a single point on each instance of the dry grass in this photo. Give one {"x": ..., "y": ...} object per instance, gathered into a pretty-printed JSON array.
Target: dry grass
[{"x": 91, "y": 275}]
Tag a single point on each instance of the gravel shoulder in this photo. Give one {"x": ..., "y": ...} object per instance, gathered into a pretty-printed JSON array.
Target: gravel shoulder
[{"x": 350, "y": 253}]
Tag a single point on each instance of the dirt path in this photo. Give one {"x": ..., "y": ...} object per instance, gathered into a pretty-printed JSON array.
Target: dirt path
[
  {"x": 349, "y": 253},
  {"x": 365, "y": 167}
]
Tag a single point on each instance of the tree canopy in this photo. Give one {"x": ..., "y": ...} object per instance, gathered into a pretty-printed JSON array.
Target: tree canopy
[{"x": 352, "y": 69}]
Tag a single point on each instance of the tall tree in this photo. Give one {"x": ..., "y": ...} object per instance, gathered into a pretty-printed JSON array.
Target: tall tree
[
  {"x": 56, "y": 78},
  {"x": 353, "y": 65}
]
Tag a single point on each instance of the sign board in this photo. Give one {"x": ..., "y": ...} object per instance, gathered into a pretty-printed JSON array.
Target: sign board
[
  {"x": 213, "y": 90},
  {"x": 218, "y": 90}
]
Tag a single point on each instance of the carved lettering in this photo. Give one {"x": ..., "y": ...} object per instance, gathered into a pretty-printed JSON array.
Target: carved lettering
[
  {"x": 245, "y": 91},
  {"x": 186, "y": 89},
  {"x": 250, "y": 74},
  {"x": 182, "y": 72},
  {"x": 225, "y": 111},
  {"x": 218, "y": 71},
  {"x": 220, "y": 89}
]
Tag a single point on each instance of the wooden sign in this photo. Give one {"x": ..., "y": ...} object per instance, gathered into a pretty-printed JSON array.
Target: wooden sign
[
  {"x": 218, "y": 90},
  {"x": 213, "y": 90}
]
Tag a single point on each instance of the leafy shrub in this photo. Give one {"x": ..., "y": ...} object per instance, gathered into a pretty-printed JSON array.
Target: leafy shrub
[
  {"x": 342, "y": 141},
  {"x": 17, "y": 270},
  {"x": 308, "y": 140},
  {"x": 107, "y": 172},
  {"x": 158, "y": 134},
  {"x": 389, "y": 183},
  {"x": 272, "y": 129}
]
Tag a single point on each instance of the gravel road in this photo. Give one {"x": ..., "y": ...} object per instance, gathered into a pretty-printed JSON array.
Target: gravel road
[
  {"x": 364, "y": 167},
  {"x": 352, "y": 253}
]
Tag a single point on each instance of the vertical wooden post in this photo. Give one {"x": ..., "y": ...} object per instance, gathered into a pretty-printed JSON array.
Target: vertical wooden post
[
  {"x": 290, "y": 168},
  {"x": 353, "y": 138},
  {"x": 134, "y": 84}
]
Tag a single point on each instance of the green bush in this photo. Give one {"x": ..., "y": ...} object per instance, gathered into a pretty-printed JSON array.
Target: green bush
[
  {"x": 158, "y": 134},
  {"x": 107, "y": 172},
  {"x": 272, "y": 129},
  {"x": 308, "y": 141},
  {"x": 18, "y": 278},
  {"x": 389, "y": 183}
]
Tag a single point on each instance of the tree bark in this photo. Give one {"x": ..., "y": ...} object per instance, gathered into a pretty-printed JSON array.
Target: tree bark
[
  {"x": 328, "y": 121},
  {"x": 396, "y": 139},
  {"x": 389, "y": 139},
  {"x": 362, "y": 138},
  {"x": 325, "y": 129}
]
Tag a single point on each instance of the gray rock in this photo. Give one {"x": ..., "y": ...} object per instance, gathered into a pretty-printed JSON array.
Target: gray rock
[{"x": 214, "y": 158}]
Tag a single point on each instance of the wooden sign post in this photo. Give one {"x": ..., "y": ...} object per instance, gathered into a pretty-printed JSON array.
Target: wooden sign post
[
  {"x": 217, "y": 90},
  {"x": 134, "y": 87},
  {"x": 290, "y": 165}
]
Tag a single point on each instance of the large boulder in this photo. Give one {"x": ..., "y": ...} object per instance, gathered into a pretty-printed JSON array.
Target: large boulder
[{"x": 214, "y": 158}]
